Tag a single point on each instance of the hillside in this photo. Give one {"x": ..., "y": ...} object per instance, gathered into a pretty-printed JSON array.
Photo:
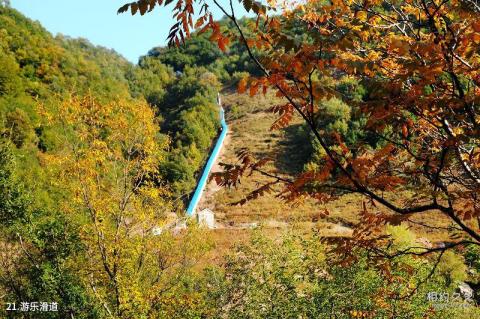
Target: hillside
[
  {"x": 249, "y": 122},
  {"x": 59, "y": 66},
  {"x": 36, "y": 67},
  {"x": 86, "y": 137},
  {"x": 366, "y": 206}
]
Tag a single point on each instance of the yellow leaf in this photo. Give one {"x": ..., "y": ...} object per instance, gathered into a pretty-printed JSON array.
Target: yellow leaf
[{"x": 362, "y": 16}]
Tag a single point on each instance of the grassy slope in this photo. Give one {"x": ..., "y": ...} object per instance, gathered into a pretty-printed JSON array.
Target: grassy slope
[{"x": 249, "y": 124}]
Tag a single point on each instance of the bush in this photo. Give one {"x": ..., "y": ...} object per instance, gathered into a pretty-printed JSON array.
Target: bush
[{"x": 295, "y": 278}]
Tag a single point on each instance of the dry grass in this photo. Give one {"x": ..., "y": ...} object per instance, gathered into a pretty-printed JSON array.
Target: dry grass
[{"x": 249, "y": 124}]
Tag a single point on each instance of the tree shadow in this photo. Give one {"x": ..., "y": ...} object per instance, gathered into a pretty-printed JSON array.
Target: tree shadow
[{"x": 294, "y": 150}]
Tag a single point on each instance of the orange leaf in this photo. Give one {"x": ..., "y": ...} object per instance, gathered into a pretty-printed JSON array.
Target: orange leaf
[
  {"x": 476, "y": 26},
  {"x": 254, "y": 88},
  {"x": 404, "y": 131},
  {"x": 222, "y": 43},
  {"x": 242, "y": 85},
  {"x": 199, "y": 22},
  {"x": 476, "y": 38}
]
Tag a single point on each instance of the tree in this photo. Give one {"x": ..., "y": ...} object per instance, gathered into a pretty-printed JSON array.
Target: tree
[
  {"x": 419, "y": 61},
  {"x": 14, "y": 200},
  {"x": 198, "y": 52},
  {"x": 80, "y": 180},
  {"x": 17, "y": 127},
  {"x": 190, "y": 116},
  {"x": 294, "y": 277},
  {"x": 9, "y": 80},
  {"x": 108, "y": 162},
  {"x": 37, "y": 246}
]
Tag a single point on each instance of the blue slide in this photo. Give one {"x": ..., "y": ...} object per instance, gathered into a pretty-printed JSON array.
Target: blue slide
[{"x": 208, "y": 167}]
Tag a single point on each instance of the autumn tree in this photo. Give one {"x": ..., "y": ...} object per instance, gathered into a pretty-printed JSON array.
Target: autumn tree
[
  {"x": 77, "y": 172},
  {"x": 420, "y": 62},
  {"x": 293, "y": 277},
  {"x": 108, "y": 162}
]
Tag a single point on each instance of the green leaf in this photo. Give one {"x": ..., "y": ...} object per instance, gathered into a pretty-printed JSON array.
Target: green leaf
[
  {"x": 123, "y": 8},
  {"x": 247, "y": 4}
]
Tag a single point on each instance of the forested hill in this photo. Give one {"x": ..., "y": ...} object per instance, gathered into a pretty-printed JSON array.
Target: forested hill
[
  {"x": 36, "y": 64},
  {"x": 179, "y": 84},
  {"x": 88, "y": 139},
  {"x": 97, "y": 154}
]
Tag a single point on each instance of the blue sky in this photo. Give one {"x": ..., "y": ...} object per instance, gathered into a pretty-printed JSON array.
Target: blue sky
[{"x": 97, "y": 20}]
